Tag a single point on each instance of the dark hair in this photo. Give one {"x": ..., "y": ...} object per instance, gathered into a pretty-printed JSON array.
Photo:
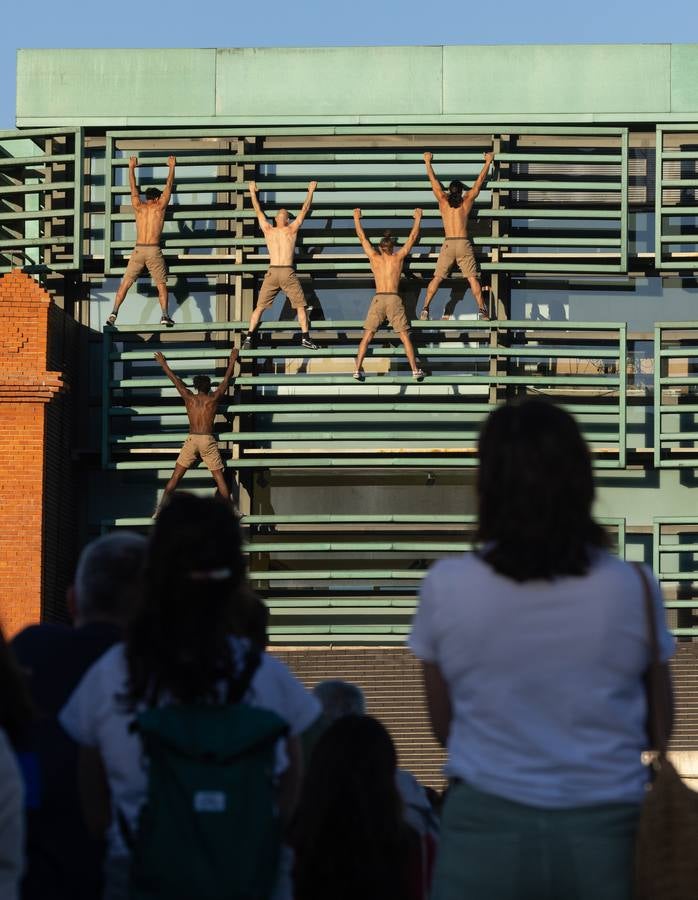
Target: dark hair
[
  {"x": 455, "y": 194},
  {"x": 535, "y": 493},
  {"x": 350, "y": 837},
  {"x": 202, "y": 383},
  {"x": 387, "y": 242},
  {"x": 16, "y": 707},
  {"x": 194, "y": 598},
  {"x": 152, "y": 193},
  {"x": 257, "y": 627}
]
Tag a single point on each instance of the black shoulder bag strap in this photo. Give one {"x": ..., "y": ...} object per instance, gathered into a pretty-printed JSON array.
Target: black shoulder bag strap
[{"x": 658, "y": 717}]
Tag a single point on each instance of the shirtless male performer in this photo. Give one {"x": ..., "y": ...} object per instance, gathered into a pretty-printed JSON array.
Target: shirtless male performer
[
  {"x": 386, "y": 265},
  {"x": 201, "y": 411},
  {"x": 281, "y": 276},
  {"x": 150, "y": 216},
  {"x": 454, "y": 206}
]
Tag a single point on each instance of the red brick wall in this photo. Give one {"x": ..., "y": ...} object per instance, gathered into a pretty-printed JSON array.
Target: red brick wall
[{"x": 26, "y": 387}]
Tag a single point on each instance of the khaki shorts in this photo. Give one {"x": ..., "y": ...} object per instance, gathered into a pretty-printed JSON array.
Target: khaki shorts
[
  {"x": 390, "y": 307},
  {"x": 281, "y": 278},
  {"x": 456, "y": 251},
  {"x": 200, "y": 446},
  {"x": 148, "y": 255}
]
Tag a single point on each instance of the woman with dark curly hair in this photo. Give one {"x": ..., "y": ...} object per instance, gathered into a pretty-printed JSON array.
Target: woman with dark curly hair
[
  {"x": 534, "y": 653},
  {"x": 189, "y": 645},
  {"x": 350, "y": 837}
]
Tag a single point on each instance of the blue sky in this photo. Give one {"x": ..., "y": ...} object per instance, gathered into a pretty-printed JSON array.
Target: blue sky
[{"x": 269, "y": 23}]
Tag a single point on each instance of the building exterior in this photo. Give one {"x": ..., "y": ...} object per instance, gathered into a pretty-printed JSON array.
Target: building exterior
[{"x": 587, "y": 234}]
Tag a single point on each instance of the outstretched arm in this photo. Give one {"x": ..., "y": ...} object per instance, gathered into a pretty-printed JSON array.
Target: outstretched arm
[
  {"x": 436, "y": 185},
  {"x": 369, "y": 249},
  {"x": 167, "y": 193},
  {"x": 482, "y": 177},
  {"x": 261, "y": 218},
  {"x": 135, "y": 196},
  {"x": 305, "y": 209},
  {"x": 175, "y": 379},
  {"x": 413, "y": 235},
  {"x": 223, "y": 386}
]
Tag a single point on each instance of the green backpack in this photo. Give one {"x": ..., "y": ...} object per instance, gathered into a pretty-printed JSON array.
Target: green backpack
[{"x": 210, "y": 826}]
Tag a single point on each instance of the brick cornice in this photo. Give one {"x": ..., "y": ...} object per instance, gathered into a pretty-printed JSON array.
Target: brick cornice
[
  {"x": 24, "y": 390},
  {"x": 24, "y": 309}
]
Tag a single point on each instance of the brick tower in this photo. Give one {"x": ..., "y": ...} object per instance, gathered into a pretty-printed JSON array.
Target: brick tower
[{"x": 27, "y": 389}]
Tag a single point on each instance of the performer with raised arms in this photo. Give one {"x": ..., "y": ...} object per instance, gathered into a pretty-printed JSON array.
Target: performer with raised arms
[
  {"x": 150, "y": 217},
  {"x": 201, "y": 442},
  {"x": 386, "y": 265},
  {"x": 455, "y": 205},
  {"x": 281, "y": 275}
]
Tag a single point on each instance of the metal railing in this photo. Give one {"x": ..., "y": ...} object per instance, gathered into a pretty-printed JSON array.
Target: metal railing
[
  {"x": 675, "y": 563},
  {"x": 676, "y": 395},
  {"x": 676, "y": 200},
  {"x": 556, "y": 201},
  {"x": 41, "y": 199},
  {"x": 297, "y": 408}
]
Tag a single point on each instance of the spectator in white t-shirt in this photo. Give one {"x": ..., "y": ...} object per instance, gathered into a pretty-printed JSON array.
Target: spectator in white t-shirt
[
  {"x": 534, "y": 651},
  {"x": 186, "y": 644}
]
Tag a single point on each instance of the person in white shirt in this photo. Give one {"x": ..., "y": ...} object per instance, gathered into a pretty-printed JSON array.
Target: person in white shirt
[
  {"x": 534, "y": 652},
  {"x": 186, "y": 645}
]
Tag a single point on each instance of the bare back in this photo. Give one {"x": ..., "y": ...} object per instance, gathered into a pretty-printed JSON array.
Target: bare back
[
  {"x": 281, "y": 242},
  {"x": 387, "y": 269},
  {"x": 456, "y": 220},
  {"x": 201, "y": 410},
  {"x": 150, "y": 217}
]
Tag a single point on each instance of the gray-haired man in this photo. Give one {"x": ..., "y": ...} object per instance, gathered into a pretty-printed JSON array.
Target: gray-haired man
[{"x": 64, "y": 862}]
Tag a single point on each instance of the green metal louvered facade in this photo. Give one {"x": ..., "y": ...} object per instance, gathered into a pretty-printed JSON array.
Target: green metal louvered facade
[{"x": 585, "y": 233}]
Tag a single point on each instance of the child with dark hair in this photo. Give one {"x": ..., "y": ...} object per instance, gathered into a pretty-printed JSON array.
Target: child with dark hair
[
  {"x": 201, "y": 411},
  {"x": 350, "y": 836},
  {"x": 187, "y": 646}
]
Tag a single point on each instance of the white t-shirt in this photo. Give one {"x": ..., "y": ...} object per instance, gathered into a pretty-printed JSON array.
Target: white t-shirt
[
  {"x": 545, "y": 679},
  {"x": 95, "y": 717}
]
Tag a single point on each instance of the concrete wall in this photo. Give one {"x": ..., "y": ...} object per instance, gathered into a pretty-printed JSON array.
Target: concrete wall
[{"x": 457, "y": 84}]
